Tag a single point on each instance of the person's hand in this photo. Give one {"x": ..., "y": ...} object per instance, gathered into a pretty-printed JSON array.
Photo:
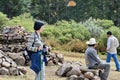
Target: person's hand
[{"x": 40, "y": 48}]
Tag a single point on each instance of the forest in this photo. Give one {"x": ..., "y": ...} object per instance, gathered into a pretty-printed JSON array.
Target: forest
[{"x": 52, "y": 11}]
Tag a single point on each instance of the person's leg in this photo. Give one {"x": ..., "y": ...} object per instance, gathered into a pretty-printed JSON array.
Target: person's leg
[
  {"x": 37, "y": 76},
  {"x": 108, "y": 57},
  {"x": 116, "y": 62},
  {"x": 106, "y": 69},
  {"x": 43, "y": 71}
]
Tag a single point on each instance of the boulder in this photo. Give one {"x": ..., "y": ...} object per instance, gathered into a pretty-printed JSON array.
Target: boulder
[
  {"x": 13, "y": 55},
  {"x": 0, "y": 61},
  {"x": 13, "y": 64},
  {"x": 1, "y": 54},
  {"x": 96, "y": 78},
  {"x": 81, "y": 77},
  {"x": 50, "y": 63},
  {"x": 63, "y": 69},
  {"x": 22, "y": 69},
  {"x": 73, "y": 77},
  {"x": 89, "y": 75},
  {"x": 74, "y": 71},
  {"x": 59, "y": 57},
  {"x": 13, "y": 71},
  {"x": 5, "y": 64},
  {"x": 20, "y": 60},
  {"x": 4, "y": 71}
]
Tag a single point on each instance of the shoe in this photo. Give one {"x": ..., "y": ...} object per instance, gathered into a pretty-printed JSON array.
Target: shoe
[{"x": 118, "y": 70}]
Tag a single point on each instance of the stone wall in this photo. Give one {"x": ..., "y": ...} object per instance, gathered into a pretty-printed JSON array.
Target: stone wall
[{"x": 9, "y": 67}]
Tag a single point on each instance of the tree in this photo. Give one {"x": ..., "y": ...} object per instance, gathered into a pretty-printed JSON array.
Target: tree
[{"x": 14, "y": 7}]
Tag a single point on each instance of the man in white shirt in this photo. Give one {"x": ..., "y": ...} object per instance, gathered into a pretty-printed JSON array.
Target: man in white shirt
[{"x": 112, "y": 44}]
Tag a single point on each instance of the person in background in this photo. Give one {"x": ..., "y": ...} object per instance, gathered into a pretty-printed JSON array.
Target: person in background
[
  {"x": 94, "y": 62},
  {"x": 112, "y": 44},
  {"x": 35, "y": 44}
]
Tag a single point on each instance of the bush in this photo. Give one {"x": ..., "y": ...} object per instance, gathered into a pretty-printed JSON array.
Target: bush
[
  {"x": 92, "y": 26},
  {"x": 3, "y": 20},
  {"x": 106, "y": 24},
  {"x": 103, "y": 38},
  {"x": 77, "y": 45},
  {"x": 25, "y": 20}
]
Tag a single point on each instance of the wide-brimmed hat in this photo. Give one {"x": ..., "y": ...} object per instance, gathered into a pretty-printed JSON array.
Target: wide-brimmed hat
[{"x": 91, "y": 41}]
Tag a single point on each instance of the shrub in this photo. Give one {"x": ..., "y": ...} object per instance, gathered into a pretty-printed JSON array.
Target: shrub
[
  {"x": 105, "y": 23},
  {"x": 77, "y": 45},
  {"x": 3, "y": 20},
  {"x": 103, "y": 38},
  {"x": 25, "y": 20},
  {"x": 94, "y": 29}
]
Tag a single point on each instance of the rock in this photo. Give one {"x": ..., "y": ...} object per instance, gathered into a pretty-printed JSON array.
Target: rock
[
  {"x": 84, "y": 69},
  {"x": 60, "y": 57},
  {"x": 5, "y": 64},
  {"x": 74, "y": 71},
  {"x": 0, "y": 61},
  {"x": 63, "y": 69},
  {"x": 13, "y": 55},
  {"x": 13, "y": 64},
  {"x": 81, "y": 77},
  {"x": 20, "y": 73},
  {"x": 22, "y": 69},
  {"x": 9, "y": 60},
  {"x": 96, "y": 78},
  {"x": 86, "y": 79},
  {"x": 50, "y": 63},
  {"x": 79, "y": 63},
  {"x": 73, "y": 77},
  {"x": 13, "y": 71},
  {"x": 1, "y": 54},
  {"x": 89, "y": 75},
  {"x": 20, "y": 60},
  {"x": 4, "y": 71}
]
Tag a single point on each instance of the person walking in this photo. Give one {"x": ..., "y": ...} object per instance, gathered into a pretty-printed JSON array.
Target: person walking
[
  {"x": 112, "y": 44},
  {"x": 94, "y": 62},
  {"x": 35, "y": 45}
]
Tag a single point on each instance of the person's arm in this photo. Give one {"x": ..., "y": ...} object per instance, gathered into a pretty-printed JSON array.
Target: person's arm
[
  {"x": 108, "y": 44},
  {"x": 95, "y": 56},
  {"x": 30, "y": 44},
  {"x": 117, "y": 43}
]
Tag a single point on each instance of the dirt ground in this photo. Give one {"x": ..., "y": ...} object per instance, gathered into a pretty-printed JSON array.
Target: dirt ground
[{"x": 50, "y": 70}]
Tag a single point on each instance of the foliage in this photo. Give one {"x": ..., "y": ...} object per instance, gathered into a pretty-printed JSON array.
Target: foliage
[
  {"x": 14, "y": 7},
  {"x": 55, "y": 10},
  {"x": 77, "y": 45},
  {"x": 25, "y": 20},
  {"x": 92, "y": 26},
  {"x": 106, "y": 24},
  {"x": 67, "y": 35},
  {"x": 3, "y": 20},
  {"x": 65, "y": 31},
  {"x": 103, "y": 38}
]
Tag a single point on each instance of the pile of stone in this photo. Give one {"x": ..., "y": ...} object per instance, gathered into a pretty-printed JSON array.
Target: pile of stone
[
  {"x": 75, "y": 71},
  {"x": 9, "y": 67},
  {"x": 55, "y": 58},
  {"x": 13, "y": 39}
]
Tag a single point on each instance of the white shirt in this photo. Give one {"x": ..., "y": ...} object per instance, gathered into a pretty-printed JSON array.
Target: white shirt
[{"x": 112, "y": 44}]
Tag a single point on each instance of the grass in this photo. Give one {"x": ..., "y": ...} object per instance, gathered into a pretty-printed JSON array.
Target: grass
[{"x": 50, "y": 70}]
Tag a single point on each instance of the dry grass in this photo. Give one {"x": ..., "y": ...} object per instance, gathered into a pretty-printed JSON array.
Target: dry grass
[{"x": 50, "y": 70}]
